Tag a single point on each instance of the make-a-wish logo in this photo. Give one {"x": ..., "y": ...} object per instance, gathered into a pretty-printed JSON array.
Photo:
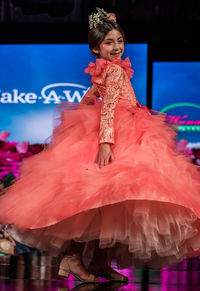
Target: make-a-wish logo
[
  {"x": 181, "y": 121},
  {"x": 52, "y": 93}
]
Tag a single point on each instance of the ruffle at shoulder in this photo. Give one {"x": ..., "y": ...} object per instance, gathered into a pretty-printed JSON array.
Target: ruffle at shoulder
[{"x": 96, "y": 69}]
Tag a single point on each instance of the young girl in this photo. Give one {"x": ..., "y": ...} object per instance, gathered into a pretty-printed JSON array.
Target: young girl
[{"x": 110, "y": 185}]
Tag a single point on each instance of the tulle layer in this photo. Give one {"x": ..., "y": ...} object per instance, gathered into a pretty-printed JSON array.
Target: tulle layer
[
  {"x": 63, "y": 182},
  {"x": 135, "y": 232}
]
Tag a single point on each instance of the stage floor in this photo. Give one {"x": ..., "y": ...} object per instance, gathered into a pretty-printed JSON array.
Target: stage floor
[{"x": 31, "y": 272}]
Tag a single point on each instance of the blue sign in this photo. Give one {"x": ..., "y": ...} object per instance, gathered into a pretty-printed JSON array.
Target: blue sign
[
  {"x": 35, "y": 78},
  {"x": 176, "y": 87}
]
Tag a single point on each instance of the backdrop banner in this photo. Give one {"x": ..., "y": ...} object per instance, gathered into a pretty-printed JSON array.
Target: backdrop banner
[
  {"x": 34, "y": 78},
  {"x": 176, "y": 91}
]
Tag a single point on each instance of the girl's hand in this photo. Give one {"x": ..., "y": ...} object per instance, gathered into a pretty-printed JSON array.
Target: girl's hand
[{"x": 104, "y": 155}]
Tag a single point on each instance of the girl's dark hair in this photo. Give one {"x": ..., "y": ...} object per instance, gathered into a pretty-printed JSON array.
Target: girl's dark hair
[{"x": 97, "y": 35}]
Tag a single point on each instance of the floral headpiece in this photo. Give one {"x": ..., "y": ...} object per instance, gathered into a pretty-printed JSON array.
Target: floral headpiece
[{"x": 99, "y": 17}]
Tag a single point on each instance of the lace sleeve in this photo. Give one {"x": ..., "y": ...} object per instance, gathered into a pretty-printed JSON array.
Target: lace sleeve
[
  {"x": 113, "y": 84},
  {"x": 90, "y": 96}
]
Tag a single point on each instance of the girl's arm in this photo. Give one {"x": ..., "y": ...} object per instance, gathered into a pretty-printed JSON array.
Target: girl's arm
[
  {"x": 113, "y": 83},
  {"x": 90, "y": 96}
]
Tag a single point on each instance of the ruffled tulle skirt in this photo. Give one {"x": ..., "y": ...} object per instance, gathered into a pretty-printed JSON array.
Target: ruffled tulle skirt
[{"x": 144, "y": 207}]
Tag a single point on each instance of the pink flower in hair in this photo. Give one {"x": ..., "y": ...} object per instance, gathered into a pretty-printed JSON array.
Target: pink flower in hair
[{"x": 112, "y": 17}]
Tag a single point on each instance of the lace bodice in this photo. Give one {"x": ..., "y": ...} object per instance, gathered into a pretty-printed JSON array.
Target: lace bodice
[{"x": 111, "y": 81}]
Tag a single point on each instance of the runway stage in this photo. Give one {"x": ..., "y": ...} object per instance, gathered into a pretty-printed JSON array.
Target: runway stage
[{"x": 33, "y": 272}]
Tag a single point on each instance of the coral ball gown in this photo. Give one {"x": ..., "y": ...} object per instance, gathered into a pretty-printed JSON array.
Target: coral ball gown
[{"x": 144, "y": 207}]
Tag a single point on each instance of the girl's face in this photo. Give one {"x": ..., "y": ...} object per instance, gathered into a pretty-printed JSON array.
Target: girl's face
[{"x": 112, "y": 47}]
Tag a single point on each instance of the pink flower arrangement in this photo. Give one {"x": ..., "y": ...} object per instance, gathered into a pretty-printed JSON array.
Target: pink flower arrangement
[
  {"x": 182, "y": 145},
  {"x": 12, "y": 154},
  {"x": 22, "y": 147},
  {"x": 4, "y": 135},
  {"x": 193, "y": 154},
  {"x": 182, "y": 148}
]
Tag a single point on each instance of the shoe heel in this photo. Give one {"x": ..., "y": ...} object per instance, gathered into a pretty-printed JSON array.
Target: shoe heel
[
  {"x": 64, "y": 268},
  {"x": 63, "y": 273}
]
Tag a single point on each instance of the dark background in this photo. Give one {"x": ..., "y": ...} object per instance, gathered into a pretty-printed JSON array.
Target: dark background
[{"x": 171, "y": 28}]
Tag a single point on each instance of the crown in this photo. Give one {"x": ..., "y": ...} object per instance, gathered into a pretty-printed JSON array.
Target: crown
[{"x": 99, "y": 17}]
